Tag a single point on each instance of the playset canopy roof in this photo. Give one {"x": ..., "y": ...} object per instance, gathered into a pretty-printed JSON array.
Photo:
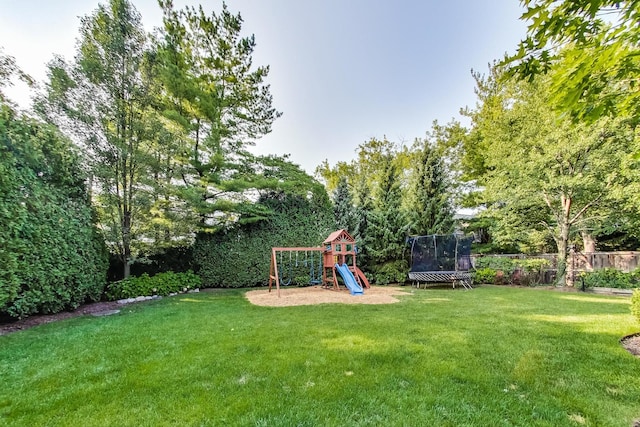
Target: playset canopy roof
[{"x": 339, "y": 236}]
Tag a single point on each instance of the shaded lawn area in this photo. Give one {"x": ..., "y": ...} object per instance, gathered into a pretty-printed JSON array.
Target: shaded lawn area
[{"x": 491, "y": 356}]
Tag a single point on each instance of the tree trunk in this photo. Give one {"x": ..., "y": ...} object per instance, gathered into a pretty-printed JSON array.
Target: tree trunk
[
  {"x": 561, "y": 278},
  {"x": 127, "y": 266},
  {"x": 562, "y": 241},
  {"x": 589, "y": 243},
  {"x": 126, "y": 243}
]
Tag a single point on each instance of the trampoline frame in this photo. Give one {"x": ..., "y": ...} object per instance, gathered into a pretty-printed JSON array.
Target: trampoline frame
[{"x": 464, "y": 278}]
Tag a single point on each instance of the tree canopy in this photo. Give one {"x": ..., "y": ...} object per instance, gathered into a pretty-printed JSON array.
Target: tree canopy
[
  {"x": 165, "y": 122},
  {"x": 541, "y": 174},
  {"x": 594, "y": 48},
  {"x": 220, "y": 104},
  {"x": 102, "y": 100}
]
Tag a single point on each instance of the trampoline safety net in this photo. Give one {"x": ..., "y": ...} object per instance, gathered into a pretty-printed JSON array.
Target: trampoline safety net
[{"x": 440, "y": 258}]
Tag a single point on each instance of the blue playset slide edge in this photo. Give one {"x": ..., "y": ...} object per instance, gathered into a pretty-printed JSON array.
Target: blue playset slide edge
[{"x": 349, "y": 279}]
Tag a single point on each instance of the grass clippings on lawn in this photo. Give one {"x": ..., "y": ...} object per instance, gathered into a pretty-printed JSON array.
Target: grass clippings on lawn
[{"x": 317, "y": 295}]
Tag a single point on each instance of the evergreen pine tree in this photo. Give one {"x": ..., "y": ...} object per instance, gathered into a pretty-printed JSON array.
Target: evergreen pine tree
[
  {"x": 429, "y": 204},
  {"x": 343, "y": 208},
  {"x": 386, "y": 230},
  {"x": 362, "y": 213}
]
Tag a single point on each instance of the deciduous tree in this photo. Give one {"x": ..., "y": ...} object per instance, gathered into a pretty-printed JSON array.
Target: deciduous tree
[
  {"x": 8, "y": 70},
  {"x": 102, "y": 100},
  {"x": 538, "y": 168}
]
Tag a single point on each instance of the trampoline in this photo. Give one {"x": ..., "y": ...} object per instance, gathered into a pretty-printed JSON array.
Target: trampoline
[{"x": 441, "y": 259}]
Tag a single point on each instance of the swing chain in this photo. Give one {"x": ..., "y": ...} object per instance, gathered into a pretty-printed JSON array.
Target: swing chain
[{"x": 281, "y": 269}]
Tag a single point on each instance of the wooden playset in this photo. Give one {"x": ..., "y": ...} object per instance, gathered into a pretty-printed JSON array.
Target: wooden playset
[{"x": 338, "y": 253}]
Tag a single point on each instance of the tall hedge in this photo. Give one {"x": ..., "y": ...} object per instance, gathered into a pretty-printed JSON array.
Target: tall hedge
[
  {"x": 240, "y": 256},
  {"x": 51, "y": 256}
]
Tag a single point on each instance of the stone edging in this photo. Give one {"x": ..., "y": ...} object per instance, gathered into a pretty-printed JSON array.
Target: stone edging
[
  {"x": 611, "y": 291},
  {"x": 153, "y": 297}
]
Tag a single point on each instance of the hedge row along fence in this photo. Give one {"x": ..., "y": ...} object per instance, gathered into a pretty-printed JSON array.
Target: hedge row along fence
[
  {"x": 240, "y": 256},
  {"x": 511, "y": 271},
  {"x": 598, "y": 269},
  {"x": 161, "y": 284},
  {"x": 52, "y": 258},
  {"x": 609, "y": 278}
]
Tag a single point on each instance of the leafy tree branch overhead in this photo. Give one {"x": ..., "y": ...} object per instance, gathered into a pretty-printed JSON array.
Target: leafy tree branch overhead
[{"x": 594, "y": 48}]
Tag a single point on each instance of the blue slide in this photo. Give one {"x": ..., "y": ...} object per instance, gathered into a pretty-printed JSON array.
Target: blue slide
[{"x": 349, "y": 281}]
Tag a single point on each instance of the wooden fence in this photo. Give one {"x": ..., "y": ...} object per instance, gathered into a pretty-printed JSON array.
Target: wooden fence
[
  {"x": 588, "y": 261},
  {"x": 578, "y": 262}
]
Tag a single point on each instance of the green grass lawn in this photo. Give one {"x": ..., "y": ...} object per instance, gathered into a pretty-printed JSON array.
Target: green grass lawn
[{"x": 488, "y": 357}]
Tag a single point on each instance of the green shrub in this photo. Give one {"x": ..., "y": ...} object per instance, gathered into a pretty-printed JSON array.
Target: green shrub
[
  {"x": 241, "y": 256},
  {"x": 611, "y": 278},
  {"x": 485, "y": 276},
  {"x": 160, "y": 284},
  {"x": 533, "y": 265},
  {"x": 504, "y": 264},
  {"x": 503, "y": 270},
  {"x": 302, "y": 280},
  {"x": 157, "y": 260},
  {"x": 52, "y": 258},
  {"x": 390, "y": 272},
  {"x": 635, "y": 304},
  {"x": 531, "y": 270}
]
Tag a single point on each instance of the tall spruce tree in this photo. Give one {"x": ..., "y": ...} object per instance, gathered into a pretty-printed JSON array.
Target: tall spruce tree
[
  {"x": 343, "y": 208},
  {"x": 363, "y": 209},
  {"x": 429, "y": 209},
  {"x": 386, "y": 230}
]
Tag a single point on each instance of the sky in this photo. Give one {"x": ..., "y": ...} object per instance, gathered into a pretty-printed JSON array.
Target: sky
[{"x": 341, "y": 71}]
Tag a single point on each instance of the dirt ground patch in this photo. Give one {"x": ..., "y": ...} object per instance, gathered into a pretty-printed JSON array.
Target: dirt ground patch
[
  {"x": 632, "y": 344},
  {"x": 83, "y": 310},
  {"x": 317, "y": 295}
]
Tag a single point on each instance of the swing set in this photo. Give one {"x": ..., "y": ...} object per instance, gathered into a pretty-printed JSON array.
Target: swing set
[
  {"x": 284, "y": 263},
  {"x": 324, "y": 264},
  {"x": 311, "y": 262}
]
